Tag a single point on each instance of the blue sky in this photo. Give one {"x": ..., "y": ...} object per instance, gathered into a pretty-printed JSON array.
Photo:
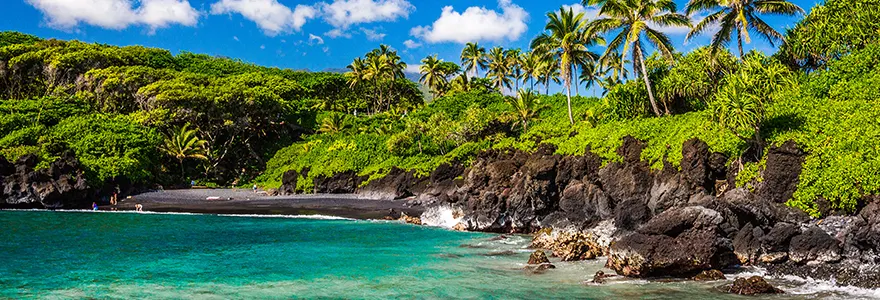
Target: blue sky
[{"x": 306, "y": 34}]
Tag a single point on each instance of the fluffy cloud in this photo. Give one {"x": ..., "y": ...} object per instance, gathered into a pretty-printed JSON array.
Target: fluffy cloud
[
  {"x": 476, "y": 24},
  {"x": 272, "y": 17},
  {"x": 373, "y": 34},
  {"x": 116, "y": 14},
  {"x": 411, "y": 44},
  {"x": 412, "y": 68},
  {"x": 590, "y": 13},
  {"x": 315, "y": 39},
  {"x": 344, "y": 13},
  {"x": 335, "y": 33}
]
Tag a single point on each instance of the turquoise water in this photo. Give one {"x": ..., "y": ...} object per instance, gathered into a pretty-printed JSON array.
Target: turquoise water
[{"x": 129, "y": 255}]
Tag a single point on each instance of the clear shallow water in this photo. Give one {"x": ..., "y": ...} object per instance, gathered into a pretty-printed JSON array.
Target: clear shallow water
[{"x": 128, "y": 255}]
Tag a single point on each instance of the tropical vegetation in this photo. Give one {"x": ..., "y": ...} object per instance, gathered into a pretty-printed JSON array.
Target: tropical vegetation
[{"x": 243, "y": 123}]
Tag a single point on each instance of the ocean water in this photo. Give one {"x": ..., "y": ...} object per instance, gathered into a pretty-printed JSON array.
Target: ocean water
[{"x": 74, "y": 255}]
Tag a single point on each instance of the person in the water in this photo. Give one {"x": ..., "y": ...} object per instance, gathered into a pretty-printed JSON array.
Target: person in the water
[{"x": 94, "y": 206}]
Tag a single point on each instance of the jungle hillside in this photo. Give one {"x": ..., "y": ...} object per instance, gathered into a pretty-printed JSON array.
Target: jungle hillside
[{"x": 153, "y": 118}]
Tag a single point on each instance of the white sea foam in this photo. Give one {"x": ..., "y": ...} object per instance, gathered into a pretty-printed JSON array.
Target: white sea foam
[
  {"x": 827, "y": 289},
  {"x": 442, "y": 216},
  {"x": 315, "y": 217}
]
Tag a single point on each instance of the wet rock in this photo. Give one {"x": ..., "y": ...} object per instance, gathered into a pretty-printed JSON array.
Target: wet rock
[
  {"x": 709, "y": 275},
  {"x": 779, "y": 237},
  {"x": 814, "y": 246},
  {"x": 747, "y": 244},
  {"x": 410, "y": 219},
  {"x": 538, "y": 257},
  {"x": 855, "y": 274},
  {"x": 568, "y": 246},
  {"x": 599, "y": 277},
  {"x": 752, "y": 286},
  {"x": 641, "y": 255},
  {"x": 780, "y": 176}
]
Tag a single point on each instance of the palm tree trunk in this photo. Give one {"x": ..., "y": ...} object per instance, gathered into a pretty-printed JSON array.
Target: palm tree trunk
[
  {"x": 568, "y": 87},
  {"x": 739, "y": 41},
  {"x": 637, "y": 50},
  {"x": 576, "y": 84},
  {"x": 182, "y": 171}
]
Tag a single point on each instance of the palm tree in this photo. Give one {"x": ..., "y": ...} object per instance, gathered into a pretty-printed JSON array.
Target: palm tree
[
  {"x": 530, "y": 62},
  {"x": 514, "y": 65},
  {"x": 460, "y": 83},
  {"x": 356, "y": 74},
  {"x": 333, "y": 123},
  {"x": 432, "y": 75},
  {"x": 527, "y": 105},
  {"x": 498, "y": 69},
  {"x": 182, "y": 144},
  {"x": 739, "y": 17},
  {"x": 473, "y": 58},
  {"x": 589, "y": 75},
  {"x": 567, "y": 40},
  {"x": 633, "y": 19},
  {"x": 549, "y": 71}
]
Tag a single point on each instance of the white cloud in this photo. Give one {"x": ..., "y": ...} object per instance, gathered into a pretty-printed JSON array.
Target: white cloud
[
  {"x": 411, "y": 44},
  {"x": 476, "y": 24},
  {"x": 235, "y": 38},
  {"x": 116, "y": 14},
  {"x": 315, "y": 39},
  {"x": 326, "y": 49},
  {"x": 344, "y": 13},
  {"x": 412, "y": 68},
  {"x": 335, "y": 33},
  {"x": 272, "y": 17},
  {"x": 373, "y": 34},
  {"x": 590, "y": 13}
]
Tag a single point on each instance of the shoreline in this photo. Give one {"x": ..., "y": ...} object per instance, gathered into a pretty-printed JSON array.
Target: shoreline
[{"x": 245, "y": 202}]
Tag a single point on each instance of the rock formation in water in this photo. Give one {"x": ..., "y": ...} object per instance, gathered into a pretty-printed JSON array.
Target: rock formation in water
[{"x": 648, "y": 223}]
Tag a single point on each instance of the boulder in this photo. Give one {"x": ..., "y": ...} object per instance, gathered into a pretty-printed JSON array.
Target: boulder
[
  {"x": 752, "y": 286},
  {"x": 814, "y": 246},
  {"x": 679, "y": 242},
  {"x": 747, "y": 244},
  {"x": 709, "y": 275},
  {"x": 288, "y": 183},
  {"x": 538, "y": 257},
  {"x": 780, "y": 176},
  {"x": 599, "y": 277},
  {"x": 567, "y": 245}
]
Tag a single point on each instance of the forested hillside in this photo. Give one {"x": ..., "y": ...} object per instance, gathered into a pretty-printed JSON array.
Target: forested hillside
[
  {"x": 144, "y": 115},
  {"x": 153, "y": 117}
]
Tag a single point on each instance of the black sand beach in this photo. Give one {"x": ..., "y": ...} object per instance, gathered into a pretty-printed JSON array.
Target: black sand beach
[{"x": 240, "y": 201}]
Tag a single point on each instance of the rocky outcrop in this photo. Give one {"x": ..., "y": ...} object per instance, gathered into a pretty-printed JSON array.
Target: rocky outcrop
[
  {"x": 288, "y": 183},
  {"x": 61, "y": 185},
  {"x": 709, "y": 275},
  {"x": 678, "y": 242},
  {"x": 784, "y": 164},
  {"x": 567, "y": 245},
  {"x": 340, "y": 183},
  {"x": 681, "y": 221},
  {"x": 752, "y": 286}
]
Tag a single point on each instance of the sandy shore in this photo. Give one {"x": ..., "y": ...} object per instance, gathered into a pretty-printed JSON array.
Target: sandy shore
[{"x": 238, "y": 201}]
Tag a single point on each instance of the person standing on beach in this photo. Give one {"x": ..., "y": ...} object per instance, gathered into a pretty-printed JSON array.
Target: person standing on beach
[
  {"x": 94, "y": 206},
  {"x": 255, "y": 188}
]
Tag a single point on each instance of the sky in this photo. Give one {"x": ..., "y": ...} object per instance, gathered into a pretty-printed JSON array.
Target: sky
[{"x": 311, "y": 34}]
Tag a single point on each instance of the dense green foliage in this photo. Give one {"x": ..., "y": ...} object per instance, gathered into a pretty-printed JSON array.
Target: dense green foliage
[
  {"x": 229, "y": 122},
  {"x": 830, "y": 31},
  {"x": 114, "y": 101},
  {"x": 736, "y": 106}
]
